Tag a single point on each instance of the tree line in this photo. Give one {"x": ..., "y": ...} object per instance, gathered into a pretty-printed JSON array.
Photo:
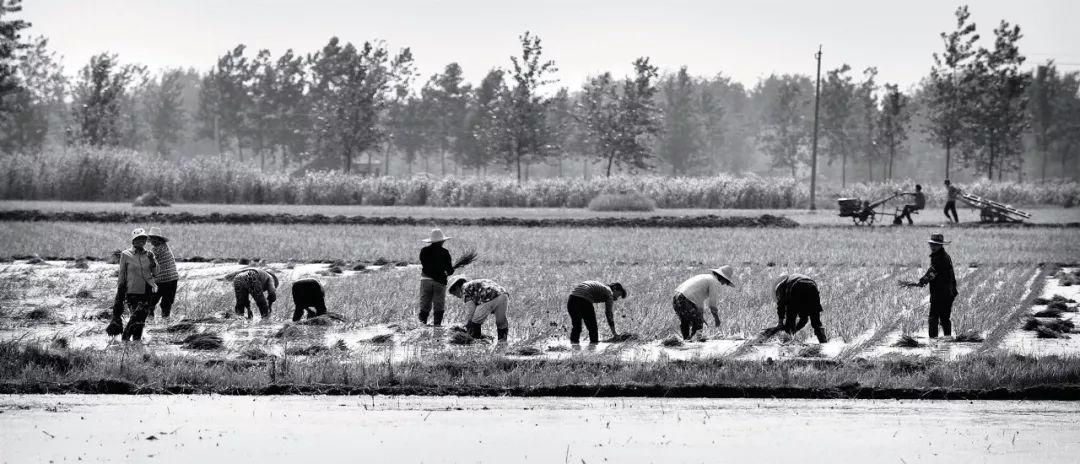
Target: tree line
[{"x": 363, "y": 107}]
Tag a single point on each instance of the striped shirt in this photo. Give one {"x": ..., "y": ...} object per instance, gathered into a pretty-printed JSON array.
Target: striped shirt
[
  {"x": 594, "y": 292},
  {"x": 481, "y": 291},
  {"x": 166, "y": 270}
]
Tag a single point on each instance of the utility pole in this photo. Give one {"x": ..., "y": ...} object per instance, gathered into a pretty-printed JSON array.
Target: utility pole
[{"x": 813, "y": 148}]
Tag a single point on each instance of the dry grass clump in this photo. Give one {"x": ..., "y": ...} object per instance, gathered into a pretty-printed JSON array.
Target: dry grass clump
[
  {"x": 319, "y": 321},
  {"x": 969, "y": 336},
  {"x": 1069, "y": 278},
  {"x": 558, "y": 348},
  {"x": 1053, "y": 328},
  {"x": 40, "y": 314},
  {"x": 254, "y": 353},
  {"x": 907, "y": 341},
  {"x": 460, "y": 338},
  {"x": 382, "y": 338},
  {"x": 527, "y": 351},
  {"x": 289, "y": 331},
  {"x": 1048, "y": 312},
  {"x": 83, "y": 294},
  {"x": 810, "y": 351},
  {"x": 622, "y": 202},
  {"x": 623, "y": 337},
  {"x": 672, "y": 341},
  {"x": 180, "y": 327},
  {"x": 80, "y": 263},
  {"x": 1054, "y": 299},
  {"x": 205, "y": 341},
  {"x": 311, "y": 350},
  {"x": 341, "y": 346}
]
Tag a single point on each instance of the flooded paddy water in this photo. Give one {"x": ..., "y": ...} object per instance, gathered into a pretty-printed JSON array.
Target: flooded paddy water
[{"x": 99, "y": 428}]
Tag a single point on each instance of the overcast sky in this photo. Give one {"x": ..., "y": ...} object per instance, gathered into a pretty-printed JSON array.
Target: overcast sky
[{"x": 742, "y": 39}]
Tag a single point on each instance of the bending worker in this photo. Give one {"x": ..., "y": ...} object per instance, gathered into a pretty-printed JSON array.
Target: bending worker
[
  {"x": 580, "y": 306},
  {"x": 797, "y": 297},
  {"x": 482, "y": 298},
  {"x": 308, "y": 295},
  {"x": 254, "y": 282},
  {"x": 699, "y": 291}
]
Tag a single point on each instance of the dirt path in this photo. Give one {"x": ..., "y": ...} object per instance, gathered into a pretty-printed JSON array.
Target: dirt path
[{"x": 68, "y": 428}]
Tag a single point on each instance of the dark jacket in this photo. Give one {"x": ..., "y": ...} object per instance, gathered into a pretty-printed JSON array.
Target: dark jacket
[
  {"x": 797, "y": 295},
  {"x": 435, "y": 263},
  {"x": 940, "y": 276}
]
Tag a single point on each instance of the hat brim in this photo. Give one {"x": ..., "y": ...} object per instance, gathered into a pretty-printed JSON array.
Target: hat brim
[
  {"x": 937, "y": 243},
  {"x": 428, "y": 240},
  {"x": 723, "y": 277},
  {"x": 162, "y": 237}
]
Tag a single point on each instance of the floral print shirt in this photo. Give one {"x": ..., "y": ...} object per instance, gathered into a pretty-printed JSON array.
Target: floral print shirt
[{"x": 481, "y": 291}]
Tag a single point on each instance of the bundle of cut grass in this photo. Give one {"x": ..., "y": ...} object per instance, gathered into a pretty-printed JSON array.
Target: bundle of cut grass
[
  {"x": 60, "y": 343},
  {"x": 289, "y": 331},
  {"x": 1060, "y": 325},
  {"x": 1069, "y": 278},
  {"x": 769, "y": 332},
  {"x": 1055, "y": 298},
  {"x": 382, "y": 338},
  {"x": 1048, "y": 312},
  {"x": 1046, "y": 332},
  {"x": 41, "y": 314},
  {"x": 149, "y": 199},
  {"x": 254, "y": 353},
  {"x": 622, "y": 202},
  {"x": 969, "y": 336},
  {"x": 907, "y": 341},
  {"x": 179, "y": 327},
  {"x": 205, "y": 341},
  {"x": 810, "y": 351},
  {"x": 83, "y": 294},
  {"x": 311, "y": 350},
  {"x": 1031, "y": 324},
  {"x": 623, "y": 337},
  {"x": 672, "y": 341},
  {"x": 1061, "y": 306},
  {"x": 103, "y": 314},
  {"x": 341, "y": 346},
  {"x": 460, "y": 338},
  {"x": 321, "y": 321},
  {"x": 527, "y": 351},
  {"x": 558, "y": 348},
  {"x": 80, "y": 263},
  {"x": 465, "y": 259}
]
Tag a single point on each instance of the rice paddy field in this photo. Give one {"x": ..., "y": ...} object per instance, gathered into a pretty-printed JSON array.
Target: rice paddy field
[{"x": 371, "y": 280}]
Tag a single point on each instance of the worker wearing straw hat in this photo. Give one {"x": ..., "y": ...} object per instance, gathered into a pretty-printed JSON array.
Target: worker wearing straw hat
[
  {"x": 135, "y": 280},
  {"x": 942, "y": 281},
  {"x": 435, "y": 267},
  {"x": 797, "y": 297},
  {"x": 691, "y": 298},
  {"x": 165, "y": 275}
]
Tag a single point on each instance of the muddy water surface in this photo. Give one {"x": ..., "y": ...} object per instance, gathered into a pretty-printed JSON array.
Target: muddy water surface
[{"x": 67, "y": 428}]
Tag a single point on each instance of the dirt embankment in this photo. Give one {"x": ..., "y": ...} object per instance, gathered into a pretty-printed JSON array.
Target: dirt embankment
[
  {"x": 843, "y": 391},
  {"x": 765, "y": 220}
]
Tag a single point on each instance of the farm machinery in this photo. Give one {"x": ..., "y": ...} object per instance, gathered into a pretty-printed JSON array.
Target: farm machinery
[{"x": 863, "y": 212}]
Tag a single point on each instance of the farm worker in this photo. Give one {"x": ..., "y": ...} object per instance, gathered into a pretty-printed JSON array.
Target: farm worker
[
  {"x": 435, "y": 267},
  {"x": 136, "y": 282},
  {"x": 797, "y": 297},
  {"x": 166, "y": 275},
  {"x": 482, "y": 298},
  {"x": 942, "y": 283},
  {"x": 950, "y": 204},
  {"x": 920, "y": 203},
  {"x": 580, "y": 306},
  {"x": 692, "y": 296},
  {"x": 254, "y": 282},
  {"x": 308, "y": 293}
]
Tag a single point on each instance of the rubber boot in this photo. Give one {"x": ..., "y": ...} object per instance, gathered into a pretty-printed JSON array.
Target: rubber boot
[
  {"x": 423, "y": 318},
  {"x": 820, "y": 333},
  {"x": 474, "y": 330},
  {"x": 503, "y": 333},
  {"x": 437, "y": 322}
]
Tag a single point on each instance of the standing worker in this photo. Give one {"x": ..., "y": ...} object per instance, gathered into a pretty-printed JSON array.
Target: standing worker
[
  {"x": 950, "y": 203},
  {"x": 920, "y": 203},
  {"x": 135, "y": 280},
  {"x": 482, "y": 298},
  {"x": 942, "y": 283},
  {"x": 254, "y": 282},
  {"x": 165, "y": 275},
  {"x": 797, "y": 297},
  {"x": 435, "y": 267},
  {"x": 580, "y": 306},
  {"x": 691, "y": 298}
]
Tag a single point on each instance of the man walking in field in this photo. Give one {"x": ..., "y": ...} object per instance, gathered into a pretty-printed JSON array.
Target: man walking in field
[
  {"x": 797, "y": 297},
  {"x": 691, "y": 298},
  {"x": 580, "y": 306},
  {"x": 950, "y": 203},
  {"x": 165, "y": 275},
  {"x": 482, "y": 298},
  {"x": 435, "y": 267},
  {"x": 942, "y": 283}
]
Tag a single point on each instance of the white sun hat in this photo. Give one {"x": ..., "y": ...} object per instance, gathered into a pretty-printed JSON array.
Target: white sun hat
[
  {"x": 725, "y": 272},
  {"x": 436, "y": 236}
]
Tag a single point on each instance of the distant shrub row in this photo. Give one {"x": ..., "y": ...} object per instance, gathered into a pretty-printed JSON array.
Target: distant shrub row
[{"x": 118, "y": 175}]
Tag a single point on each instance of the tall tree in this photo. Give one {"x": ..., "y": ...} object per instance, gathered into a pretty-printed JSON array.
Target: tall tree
[
  {"x": 101, "y": 91},
  {"x": 38, "y": 103},
  {"x": 526, "y": 123},
  {"x": 680, "y": 142},
  {"x": 838, "y": 117},
  {"x": 13, "y": 97},
  {"x": 449, "y": 94},
  {"x": 292, "y": 108},
  {"x": 224, "y": 101},
  {"x": 261, "y": 114},
  {"x": 1002, "y": 103},
  {"x": 563, "y": 127},
  {"x": 892, "y": 125},
  {"x": 401, "y": 93},
  {"x": 785, "y": 122},
  {"x": 1045, "y": 122},
  {"x": 952, "y": 87},
  {"x": 1068, "y": 107},
  {"x": 866, "y": 96},
  {"x": 166, "y": 112}
]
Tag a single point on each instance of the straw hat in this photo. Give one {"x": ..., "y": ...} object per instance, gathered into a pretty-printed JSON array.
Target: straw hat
[
  {"x": 436, "y": 237},
  {"x": 455, "y": 281},
  {"x": 725, "y": 272},
  {"x": 781, "y": 279},
  {"x": 938, "y": 239},
  {"x": 138, "y": 233},
  {"x": 155, "y": 232}
]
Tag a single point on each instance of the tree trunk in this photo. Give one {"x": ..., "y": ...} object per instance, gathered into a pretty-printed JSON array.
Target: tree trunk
[
  {"x": 442, "y": 170},
  {"x": 843, "y": 170},
  {"x": 368, "y": 172},
  {"x": 517, "y": 163},
  {"x": 611, "y": 159},
  {"x": 347, "y": 161},
  {"x": 386, "y": 160},
  {"x": 948, "y": 153},
  {"x": 990, "y": 166}
]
